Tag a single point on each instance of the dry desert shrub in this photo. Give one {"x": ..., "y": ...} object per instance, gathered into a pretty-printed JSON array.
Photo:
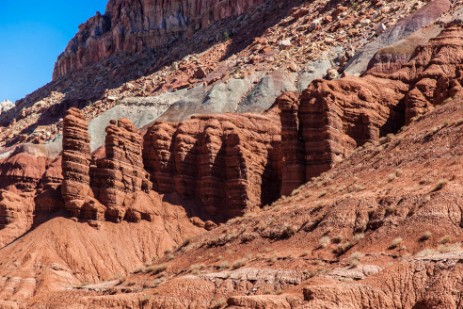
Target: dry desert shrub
[
  {"x": 196, "y": 268},
  {"x": 342, "y": 248},
  {"x": 440, "y": 185},
  {"x": 156, "y": 269},
  {"x": 248, "y": 237},
  {"x": 239, "y": 263},
  {"x": 425, "y": 236},
  {"x": 444, "y": 240},
  {"x": 395, "y": 243},
  {"x": 354, "y": 259},
  {"x": 223, "y": 266}
]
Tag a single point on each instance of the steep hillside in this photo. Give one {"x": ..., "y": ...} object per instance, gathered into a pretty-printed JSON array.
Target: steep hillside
[
  {"x": 382, "y": 229},
  {"x": 253, "y": 154}
]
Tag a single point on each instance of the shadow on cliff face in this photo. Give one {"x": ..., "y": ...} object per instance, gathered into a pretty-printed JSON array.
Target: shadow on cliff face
[{"x": 85, "y": 86}]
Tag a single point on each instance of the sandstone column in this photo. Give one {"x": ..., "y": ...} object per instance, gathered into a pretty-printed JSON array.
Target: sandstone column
[
  {"x": 121, "y": 173},
  {"x": 76, "y": 161}
]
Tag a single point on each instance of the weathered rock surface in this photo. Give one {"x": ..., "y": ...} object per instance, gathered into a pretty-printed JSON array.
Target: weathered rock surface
[
  {"x": 320, "y": 128},
  {"x": 432, "y": 73},
  {"x": 119, "y": 180},
  {"x": 370, "y": 200},
  {"x": 292, "y": 144},
  {"x": 242, "y": 162},
  {"x": 401, "y": 30},
  {"x": 131, "y": 27},
  {"x": 76, "y": 161},
  {"x": 25, "y": 180},
  {"x": 115, "y": 187},
  {"x": 229, "y": 162}
]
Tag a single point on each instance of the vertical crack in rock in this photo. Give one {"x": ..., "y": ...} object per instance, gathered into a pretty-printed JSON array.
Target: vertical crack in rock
[{"x": 292, "y": 145}]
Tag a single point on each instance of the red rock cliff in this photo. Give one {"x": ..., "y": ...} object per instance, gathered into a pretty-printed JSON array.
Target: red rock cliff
[
  {"x": 229, "y": 162},
  {"x": 133, "y": 26},
  {"x": 232, "y": 163},
  {"x": 121, "y": 173},
  {"x": 117, "y": 187},
  {"x": 76, "y": 161}
]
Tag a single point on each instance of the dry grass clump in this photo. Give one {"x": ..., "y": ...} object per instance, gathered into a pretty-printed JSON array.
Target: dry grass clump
[
  {"x": 304, "y": 254},
  {"x": 355, "y": 188},
  {"x": 248, "y": 237},
  {"x": 440, "y": 185},
  {"x": 444, "y": 240},
  {"x": 386, "y": 139},
  {"x": 219, "y": 258},
  {"x": 221, "y": 240},
  {"x": 155, "y": 283},
  {"x": 448, "y": 248},
  {"x": 196, "y": 268},
  {"x": 278, "y": 233},
  {"x": 156, "y": 269},
  {"x": 425, "y": 236},
  {"x": 354, "y": 259},
  {"x": 395, "y": 243},
  {"x": 359, "y": 236},
  {"x": 391, "y": 210},
  {"x": 342, "y": 248},
  {"x": 239, "y": 263},
  {"x": 391, "y": 177},
  {"x": 324, "y": 242},
  {"x": 223, "y": 266},
  {"x": 309, "y": 226}
]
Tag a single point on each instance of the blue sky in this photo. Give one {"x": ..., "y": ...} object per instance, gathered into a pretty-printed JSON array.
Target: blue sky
[{"x": 32, "y": 35}]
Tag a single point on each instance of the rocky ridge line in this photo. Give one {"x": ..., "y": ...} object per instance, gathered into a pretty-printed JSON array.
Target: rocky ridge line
[{"x": 131, "y": 27}]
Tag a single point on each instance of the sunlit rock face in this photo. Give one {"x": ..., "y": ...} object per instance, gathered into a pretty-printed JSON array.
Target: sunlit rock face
[{"x": 132, "y": 26}]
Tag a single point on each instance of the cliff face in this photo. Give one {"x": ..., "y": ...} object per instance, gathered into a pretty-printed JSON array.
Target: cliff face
[
  {"x": 76, "y": 161},
  {"x": 120, "y": 180},
  {"x": 115, "y": 187},
  {"x": 229, "y": 162},
  {"x": 133, "y": 26},
  {"x": 162, "y": 183},
  {"x": 28, "y": 189}
]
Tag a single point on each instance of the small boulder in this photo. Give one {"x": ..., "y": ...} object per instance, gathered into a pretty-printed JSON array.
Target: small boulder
[{"x": 332, "y": 74}]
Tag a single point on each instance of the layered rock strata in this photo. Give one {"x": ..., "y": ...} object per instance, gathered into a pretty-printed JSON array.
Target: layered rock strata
[
  {"x": 237, "y": 163},
  {"x": 76, "y": 161},
  {"x": 338, "y": 116},
  {"x": 232, "y": 163},
  {"x": 24, "y": 184},
  {"x": 135, "y": 26},
  {"x": 117, "y": 187},
  {"x": 335, "y": 117},
  {"x": 229, "y": 162},
  {"x": 434, "y": 72},
  {"x": 121, "y": 173}
]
